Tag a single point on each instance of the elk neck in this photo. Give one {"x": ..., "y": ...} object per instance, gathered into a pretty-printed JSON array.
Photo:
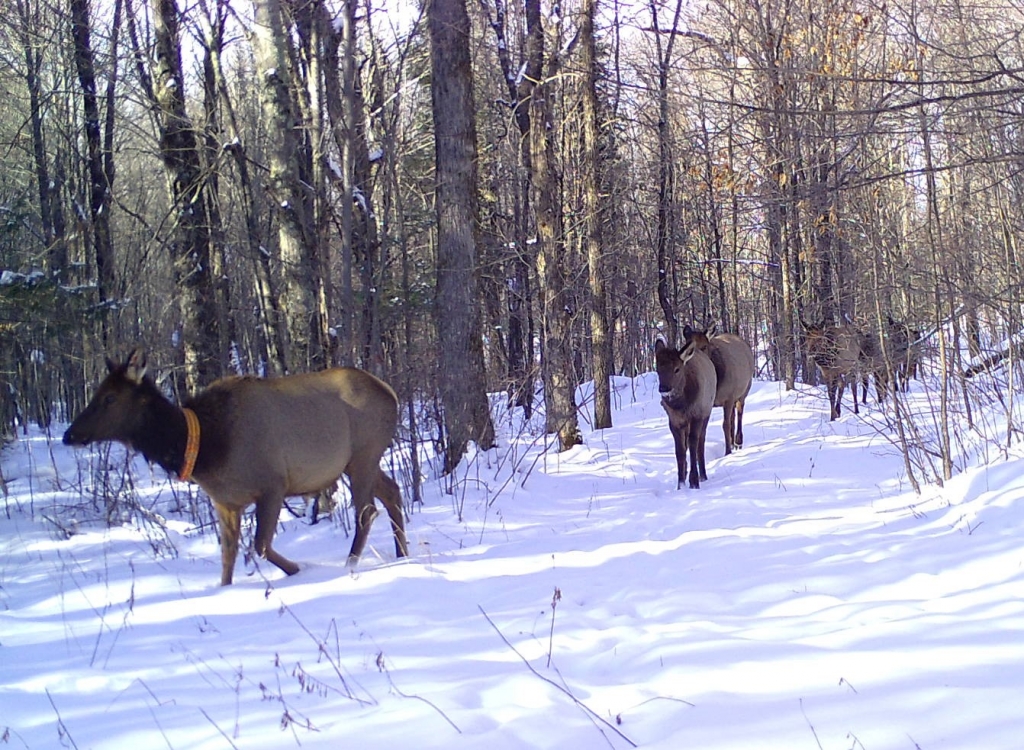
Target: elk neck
[{"x": 164, "y": 438}]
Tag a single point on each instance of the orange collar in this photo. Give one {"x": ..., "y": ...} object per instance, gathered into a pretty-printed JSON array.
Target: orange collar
[{"x": 191, "y": 446}]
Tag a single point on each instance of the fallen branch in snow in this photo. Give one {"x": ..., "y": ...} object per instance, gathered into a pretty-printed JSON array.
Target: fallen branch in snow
[{"x": 586, "y": 709}]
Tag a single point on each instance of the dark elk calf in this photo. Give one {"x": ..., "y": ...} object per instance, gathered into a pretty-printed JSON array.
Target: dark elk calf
[
  {"x": 734, "y": 369},
  {"x": 686, "y": 380},
  {"x": 250, "y": 440}
]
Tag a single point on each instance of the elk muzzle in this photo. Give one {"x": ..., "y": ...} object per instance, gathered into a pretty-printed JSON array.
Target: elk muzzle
[{"x": 74, "y": 438}]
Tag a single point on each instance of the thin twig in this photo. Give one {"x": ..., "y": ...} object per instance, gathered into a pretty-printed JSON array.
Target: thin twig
[
  {"x": 555, "y": 599},
  {"x": 395, "y": 687},
  {"x": 810, "y": 725},
  {"x": 590, "y": 712},
  {"x": 217, "y": 727},
  {"x": 62, "y": 728},
  {"x": 322, "y": 648}
]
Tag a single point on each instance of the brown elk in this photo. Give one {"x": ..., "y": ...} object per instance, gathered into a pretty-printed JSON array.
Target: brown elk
[
  {"x": 904, "y": 346},
  {"x": 838, "y": 353},
  {"x": 251, "y": 440},
  {"x": 875, "y": 359},
  {"x": 686, "y": 381},
  {"x": 734, "y": 368}
]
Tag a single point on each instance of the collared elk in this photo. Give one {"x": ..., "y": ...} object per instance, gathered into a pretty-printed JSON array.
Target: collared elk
[
  {"x": 734, "y": 369},
  {"x": 838, "y": 353},
  {"x": 686, "y": 381},
  {"x": 252, "y": 440}
]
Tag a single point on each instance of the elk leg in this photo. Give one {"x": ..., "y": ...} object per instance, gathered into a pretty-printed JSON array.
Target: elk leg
[
  {"x": 853, "y": 387},
  {"x": 230, "y": 529},
  {"x": 693, "y": 438},
  {"x": 728, "y": 427},
  {"x": 362, "y": 487},
  {"x": 834, "y": 405},
  {"x": 739, "y": 422},
  {"x": 677, "y": 437},
  {"x": 700, "y": 450},
  {"x": 391, "y": 498},
  {"x": 268, "y": 512}
]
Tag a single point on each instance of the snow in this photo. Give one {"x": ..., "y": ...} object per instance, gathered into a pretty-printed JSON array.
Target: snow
[{"x": 804, "y": 597}]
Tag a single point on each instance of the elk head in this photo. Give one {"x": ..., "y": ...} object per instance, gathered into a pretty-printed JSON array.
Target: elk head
[{"x": 118, "y": 408}]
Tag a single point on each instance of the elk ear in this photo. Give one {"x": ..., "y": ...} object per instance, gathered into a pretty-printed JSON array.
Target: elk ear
[
  {"x": 135, "y": 369},
  {"x": 687, "y": 331},
  {"x": 659, "y": 344},
  {"x": 111, "y": 365}
]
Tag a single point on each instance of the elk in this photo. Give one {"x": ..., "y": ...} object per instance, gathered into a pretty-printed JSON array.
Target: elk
[
  {"x": 686, "y": 381},
  {"x": 904, "y": 345},
  {"x": 875, "y": 359},
  {"x": 248, "y": 440},
  {"x": 734, "y": 369},
  {"x": 838, "y": 353}
]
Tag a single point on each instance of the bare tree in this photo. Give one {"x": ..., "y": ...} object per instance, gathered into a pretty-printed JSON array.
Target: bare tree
[
  {"x": 460, "y": 350},
  {"x": 272, "y": 324},
  {"x": 292, "y": 199},
  {"x": 602, "y": 356},
  {"x": 99, "y": 161},
  {"x": 518, "y": 279},
  {"x": 666, "y": 172},
  {"x": 556, "y": 365},
  {"x": 191, "y": 244},
  {"x": 51, "y": 211}
]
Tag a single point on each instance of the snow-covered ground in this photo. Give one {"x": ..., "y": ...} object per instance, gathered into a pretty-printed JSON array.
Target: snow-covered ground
[{"x": 804, "y": 597}]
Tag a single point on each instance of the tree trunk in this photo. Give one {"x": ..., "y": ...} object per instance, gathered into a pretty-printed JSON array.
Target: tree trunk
[
  {"x": 271, "y": 324},
  {"x": 556, "y": 364},
  {"x": 50, "y": 211},
  {"x": 212, "y": 132},
  {"x": 600, "y": 338},
  {"x": 191, "y": 240},
  {"x": 461, "y": 365},
  {"x": 100, "y": 181},
  {"x": 291, "y": 200},
  {"x": 663, "y": 240},
  {"x": 314, "y": 33},
  {"x": 519, "y": 295}
]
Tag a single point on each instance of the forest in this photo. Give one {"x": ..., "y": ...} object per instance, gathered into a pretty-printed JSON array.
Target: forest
[{"x": 482, "y": 197}]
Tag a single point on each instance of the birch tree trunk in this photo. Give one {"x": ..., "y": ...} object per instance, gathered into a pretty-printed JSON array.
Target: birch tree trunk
[{"x": 291, "y": 200}]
